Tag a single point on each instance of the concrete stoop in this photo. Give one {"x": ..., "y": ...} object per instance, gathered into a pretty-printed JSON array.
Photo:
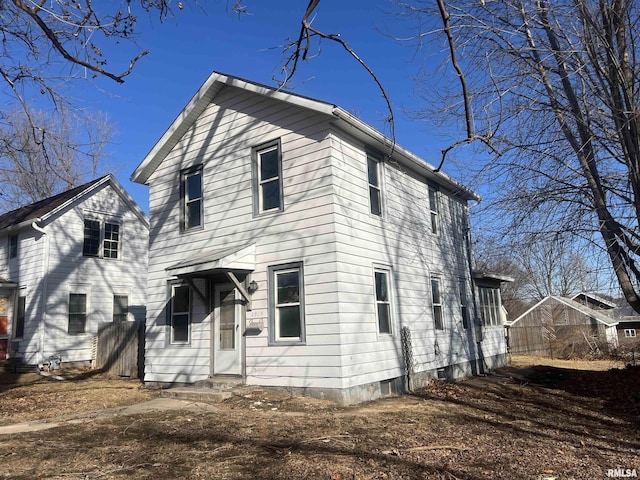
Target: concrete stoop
[{"x": 211, "y": 390}]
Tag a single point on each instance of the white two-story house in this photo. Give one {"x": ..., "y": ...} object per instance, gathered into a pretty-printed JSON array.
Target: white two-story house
[
  {"x": 68, "y": 263},
  {"x": 293, "y": 245}
]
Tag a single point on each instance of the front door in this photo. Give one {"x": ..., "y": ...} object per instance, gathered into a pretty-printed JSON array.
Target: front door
[{"x": 227, "y": 354}]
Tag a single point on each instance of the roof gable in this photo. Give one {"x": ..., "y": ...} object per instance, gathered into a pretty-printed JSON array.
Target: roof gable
[
  {"x": 44, "y": 209},
  {"x": 338, "y": 116},
  {"x": 590, "y": 312}
]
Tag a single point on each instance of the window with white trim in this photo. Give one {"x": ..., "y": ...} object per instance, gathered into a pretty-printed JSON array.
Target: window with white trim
[
  {"x": 101, "y": 239},
  {"x": 383, "y": 300},
  {"x": 180, "y": 313},
  {"x": 490, "y": 306},
  {"x": 120, "y": 308},
  {"x": 77, "y": 313},
  {"x": 286, "y": 304},
  {"x": 192, "y": 212},
  {"x": 436, "y": 299},
  {"x": 375, "y": 187},
  {"x": 267, "y": 178},
  {"x": 630, "y": 333},
  {"x": 434, "y": 210}
]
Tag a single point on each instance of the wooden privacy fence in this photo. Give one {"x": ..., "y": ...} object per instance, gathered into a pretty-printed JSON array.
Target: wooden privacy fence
[{"x": 118, "y": 347}]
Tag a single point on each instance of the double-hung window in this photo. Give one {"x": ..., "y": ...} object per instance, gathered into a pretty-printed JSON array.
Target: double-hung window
[
  {"x": 436, "y": 298},
  {"x": 267, "y": 178},
  {"x": 192, "y": 198},
  {"x": 375, "y": 187},
  {"x": 19, "y": 329},
  {"x": 433, "y": 210},
  {"x": 101, "y": 239},
  {"x": 286, "y": 304},
  {"x": 13, "y": 246},
  {"x": 464, "y": 310},
  {"x": 180, "y": 313},
  {"x": 383, "y": 300},
  {"x": 77, "y": 313},
  {"x": 120, "y": 308}
]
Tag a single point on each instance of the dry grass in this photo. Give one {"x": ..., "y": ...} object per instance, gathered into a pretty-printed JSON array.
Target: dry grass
[{"x": 524, "y": 422}]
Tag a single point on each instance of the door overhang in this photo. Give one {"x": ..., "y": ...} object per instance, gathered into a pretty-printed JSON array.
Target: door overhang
[{"x": 231, "y": 262}]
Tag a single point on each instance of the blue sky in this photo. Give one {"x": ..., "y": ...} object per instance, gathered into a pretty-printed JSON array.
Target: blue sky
[{"x": 189, "y": 46}]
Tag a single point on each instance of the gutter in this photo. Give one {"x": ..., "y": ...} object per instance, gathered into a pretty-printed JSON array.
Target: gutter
[{"x": 44, "y": 284}]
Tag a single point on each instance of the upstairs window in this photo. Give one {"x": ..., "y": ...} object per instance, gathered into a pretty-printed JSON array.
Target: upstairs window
[
  {"x": 91, "y": 247},
  {"x": 436, "y": 297},
  {"x": 120, "y": 308},
  {"x": 433, "y": 210},
  {"x": 383, "y": 301},
  {"x": 111, "y": 240},
  {"x": 13, "y": 246},
  {"x": 77, "y": 313},
  {"x": 192, "y": 205},
  {"x": 101, "y": 239},
  {"x": 375, "y": 190},
  {"x": 267, "y": 178}
]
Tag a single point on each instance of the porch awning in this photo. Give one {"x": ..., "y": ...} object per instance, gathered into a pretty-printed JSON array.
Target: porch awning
[{"x": 234, "y": 259}]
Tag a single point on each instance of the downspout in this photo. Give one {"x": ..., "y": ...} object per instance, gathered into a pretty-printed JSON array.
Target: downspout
[
  {"x": 44, "y": 290},
  {"x": 476, "y": 320}
]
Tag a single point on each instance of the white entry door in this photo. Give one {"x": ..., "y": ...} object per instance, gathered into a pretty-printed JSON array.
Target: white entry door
[{"x": 227, "y": 354}]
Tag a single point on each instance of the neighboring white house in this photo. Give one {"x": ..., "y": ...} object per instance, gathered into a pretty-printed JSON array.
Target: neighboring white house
[
  {"x": 293, "y": 245},
  {"x": 68, "y": 263}
]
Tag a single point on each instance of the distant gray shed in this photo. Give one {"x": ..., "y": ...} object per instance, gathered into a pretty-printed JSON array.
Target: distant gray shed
[{"x": 561, "y": 327}]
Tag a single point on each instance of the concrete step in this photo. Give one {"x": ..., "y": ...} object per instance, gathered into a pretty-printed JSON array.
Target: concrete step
[{"x": 197, "y": 394}]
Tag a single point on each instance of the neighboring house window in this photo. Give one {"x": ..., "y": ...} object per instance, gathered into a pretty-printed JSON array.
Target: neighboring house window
[
  {"x": 375, "y": 189},
  {"x": 490, "y": 305},
  {"x": 630, "y": 332},
  {"x": 180, "y": 314},
  {"x": 91, "y": 247},
  {"x": 267, "y": 178},
  {"x": 464, "y": 310},
  {"x": 111, "y": 240},
  {"x": 192, "y": 207},
  {"x": 286, "y": 303},
  {"x": 433, "y": 209},
  {"x": 94, "y": 238},
  {"x": 13, "y": 246},
  {"x": 77, "y": 313},
  {"x": 383, "y": 301},
  {"x": 19, "y": 329},
  {"x": 120, "y": 308},
  {"x": 436, "y": 297}
]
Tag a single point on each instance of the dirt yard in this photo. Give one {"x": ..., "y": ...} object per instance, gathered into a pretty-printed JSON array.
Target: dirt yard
[{"x": 532, "y": 420}]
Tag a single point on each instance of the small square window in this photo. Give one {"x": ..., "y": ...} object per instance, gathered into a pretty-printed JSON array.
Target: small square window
[{"x": 630, "y": 332}]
